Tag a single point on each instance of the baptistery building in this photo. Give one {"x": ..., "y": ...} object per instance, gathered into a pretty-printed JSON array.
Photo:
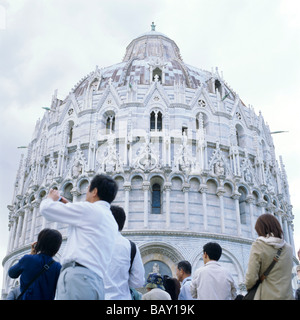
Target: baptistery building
[{"x": 193, "y": 163}]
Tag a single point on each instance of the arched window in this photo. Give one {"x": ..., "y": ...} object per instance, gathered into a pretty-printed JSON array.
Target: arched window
[
  {"x": 67, "y": 192},
  {"x": 70, "y": 131},
  {"x": 240, "y": 137},
  {"x": 218, "y": 86},
  {"x": 157, "y": 74},
  {"x": 110, "y": 124},
  {"x": 156, "y": 121},
  {"x": 159, "y": 121},
  {"x": 156, "y": 199},
  {"x": 202, "y": 122},
  {"x": 152, "y": 121}
]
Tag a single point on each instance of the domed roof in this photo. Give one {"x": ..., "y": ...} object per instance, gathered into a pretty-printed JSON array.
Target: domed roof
[
  {"x": 149, "y": 54},
  {"x": 152, "y": 44}
]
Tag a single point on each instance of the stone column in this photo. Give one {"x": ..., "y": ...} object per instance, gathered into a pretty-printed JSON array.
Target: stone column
[
  {"x": 285, "y": 229},
  {"x": 91, "y": 156},
  {"x": 35, "y": 206},
  {"x": 156, "y": 114},
  {"x": 167, "y": 188},
  {"x": 75, "y": 193},
  {"x": 59, "y": 160},
  {"x": 22, "y": 229},
  {"x": 10, "y": 225},
  {"x": 164, "y": 150},
  {"x": 127, "y": 188},
  {"x": 125, "y": 154},
  {"x": 291, "y": 237},
  {"x": 146, "y": 188},
  {"x": 250, "y": 201},
  {"x": 236, "y": 197},
  {"x": 25, "y": 218},
  {"x": 185, "y": 189},
  {"x": 19, "y": 226},
  {"x": 203, "y": 190},
  {"x": 220, "y": 194},
  {"x": 12, "y": 234},
  {"x": 278, "y": 215}
]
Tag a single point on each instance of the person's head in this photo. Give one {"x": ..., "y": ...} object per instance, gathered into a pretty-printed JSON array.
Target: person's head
[
  {"x": 211, "y": 251},
  {"x": 154, "y": 280},
  {"x": 119, "y": 215},
  {"x": 268, "y": 225},
  {"x": 183, "y": 270},
  {"x": 102, "y": 187},
  {"x": 172, "y": 286},
  {"x": 48, "y": 242}
]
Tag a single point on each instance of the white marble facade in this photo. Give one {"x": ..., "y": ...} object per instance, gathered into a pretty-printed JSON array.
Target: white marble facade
[{"x": 192, "y": 162}]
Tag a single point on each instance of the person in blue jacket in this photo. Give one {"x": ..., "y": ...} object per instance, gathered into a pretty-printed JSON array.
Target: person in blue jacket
[{"x": 42, "y": 251}]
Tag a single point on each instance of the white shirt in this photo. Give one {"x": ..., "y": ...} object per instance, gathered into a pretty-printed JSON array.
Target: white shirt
[
  {"x": 117, "y": 280},
  {"x": 213, "y": 282},
  {"x": 91, "y": 235},
  {"x": 156, "y": 294}
]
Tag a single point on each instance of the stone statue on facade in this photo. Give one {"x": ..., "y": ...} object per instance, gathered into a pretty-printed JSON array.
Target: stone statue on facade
[{"x": 76, "y": 169}]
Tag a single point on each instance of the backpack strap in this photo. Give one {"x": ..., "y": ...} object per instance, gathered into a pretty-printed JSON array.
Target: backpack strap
[{"x": 132, "y": 253}]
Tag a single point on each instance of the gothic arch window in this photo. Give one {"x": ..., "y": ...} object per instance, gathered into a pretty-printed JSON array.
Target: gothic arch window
[
  {"x": 159, "y": 121},
  {"x": 110, "y": 124},
  {"x": 156, "y": 199},
  {"x": 256, "y": 197},
  {"x": 202, "y": 122},
  {"x": 152, "y": 121},
  {"x": 266, "y": 198},
  {"x": 42, "y": 194},
  {"x": 239, "y": 131},
  {"x": 157, "y": 74},
  {"x": 218, "y": 86},
  {"x": 67, "y": 192},
  {"x": 156, "y": 121},
  {"x": 70, "y": 131}
]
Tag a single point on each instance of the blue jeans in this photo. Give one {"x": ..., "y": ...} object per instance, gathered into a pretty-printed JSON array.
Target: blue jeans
[{"x": 79, "y": 283}]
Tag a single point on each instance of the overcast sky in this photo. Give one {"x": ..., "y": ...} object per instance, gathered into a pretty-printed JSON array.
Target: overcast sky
[{"x": 51, "y": 44}]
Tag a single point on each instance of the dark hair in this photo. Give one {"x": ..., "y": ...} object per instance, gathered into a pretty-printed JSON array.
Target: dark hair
[
  {"x": 213, "y": 250},
  {"x": 172, "y": 286},
  {"x": 267, "y": 224},
  {"x": 185, "y": 266},
  {"x": 48, "y": 242},
  {"x": 107, "y": 187},
  {"x": 119, "y": 215}
]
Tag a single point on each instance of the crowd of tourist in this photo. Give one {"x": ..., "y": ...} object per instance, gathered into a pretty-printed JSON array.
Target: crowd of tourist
[{"x": 98, "y": 263}]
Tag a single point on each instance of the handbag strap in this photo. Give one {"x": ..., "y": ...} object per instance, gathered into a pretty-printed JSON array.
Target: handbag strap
[
  {"x": 275, "y": 259},
  {"x": 45, "y": 268}
]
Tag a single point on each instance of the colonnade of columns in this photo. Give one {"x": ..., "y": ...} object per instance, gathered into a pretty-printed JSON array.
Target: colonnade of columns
[{"x": 21, "y": 232}]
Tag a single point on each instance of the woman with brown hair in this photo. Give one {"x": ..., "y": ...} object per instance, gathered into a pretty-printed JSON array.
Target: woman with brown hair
[{"x": 277, "y": 285}]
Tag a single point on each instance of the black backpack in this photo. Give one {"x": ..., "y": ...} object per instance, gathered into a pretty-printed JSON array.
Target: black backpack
[
  {"x": 132, "y": 253},
  {"x": 134, "y": 294}
]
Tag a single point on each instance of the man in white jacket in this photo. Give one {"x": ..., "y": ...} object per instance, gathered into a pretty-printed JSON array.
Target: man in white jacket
[
  {"x": 122, "y": 273},
  {"x": 212, "y": 281}
]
